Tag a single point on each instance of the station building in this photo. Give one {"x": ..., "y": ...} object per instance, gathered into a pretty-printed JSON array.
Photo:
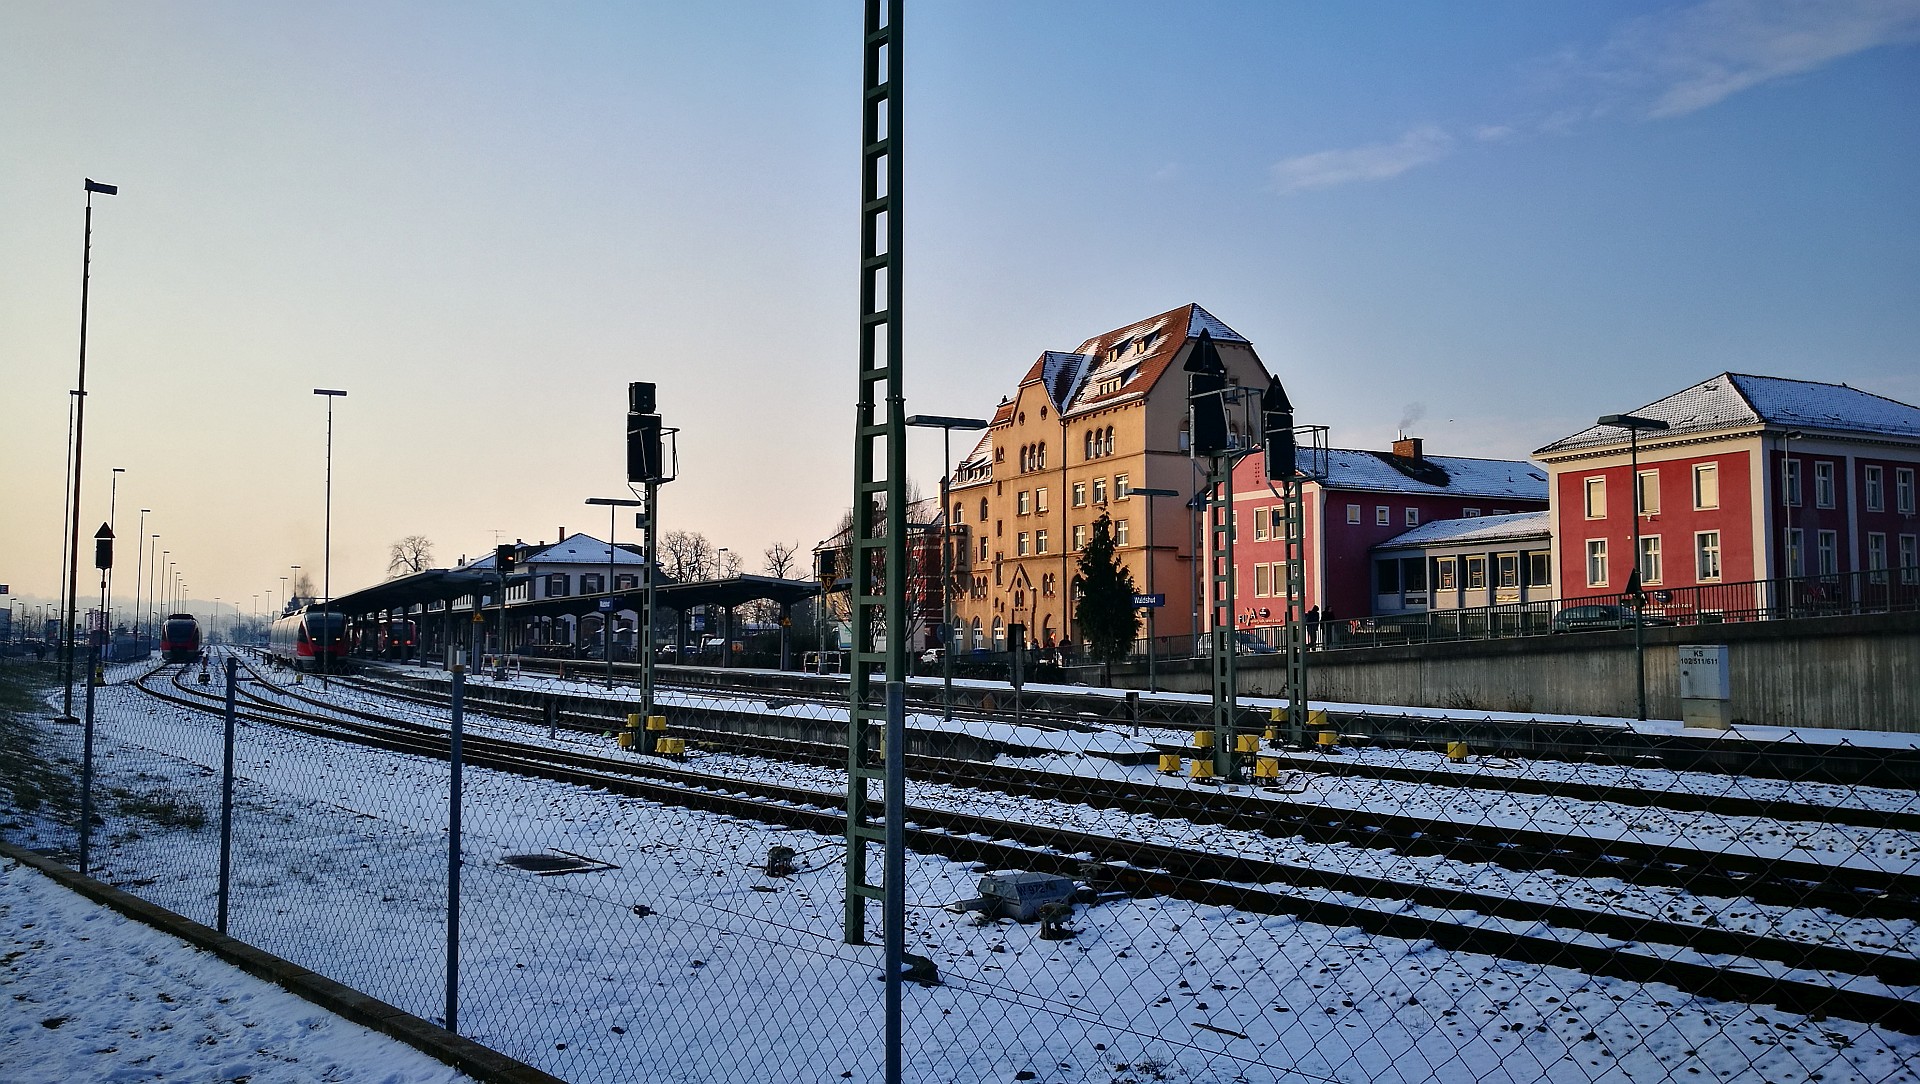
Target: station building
[
  {"x": 1755, "y": 478},
  {"x": 1083, "y": 430}
]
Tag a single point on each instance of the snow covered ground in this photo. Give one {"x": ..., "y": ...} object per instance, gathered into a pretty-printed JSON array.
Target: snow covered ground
[
  {"x": 681, "y": 960},
  {"x": 91, "y": 995}
]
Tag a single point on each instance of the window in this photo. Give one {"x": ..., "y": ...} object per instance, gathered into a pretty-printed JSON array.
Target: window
[
  {"x": 1099, "y": 491},
  {"x": 1040, "y": 499},
  {"x": 1796, "y": 565},
  {"x": 1089, "y": 446},
  {"x": 1120, "y": 532},
  {"x": 1262, "y": 581},
  {"x": 1500, "y": 511},
  {"x": 625, "y": 582},
  {"x": 1023, "y": 504},
  {"x": 1382, "y": 515},
  {"x": 1277, "y": 522},
  {"x": 1903, "y": 491},
  {"x": 957, "y": 518},
  {"x": 1047, "y": 584},
  {"x": 592, "y": 583},
  {"x": 1040, "y": 457},
  {"x": 1540, "y": 568},
  {"x": 1121, "y": 487},
  {"x": 1386, "y": 576},
  {"x": 1829, "y": 547},
  {"x": 1039, "y": 541},
  {"x": 983, "y": 549},
  {"x": 1596, "y": 498},
  {"x": 1508, "y": 570},
  {"x": 1261, "y": 525},
  {"x": 1909, "y": 558},
  {"x": 1790, "y": 481},
  {"x": 556, "y": 584},
  {"x": 1020, "y": 544},
  {"x": 1706, "y": 551},
  {"x": 1079, "y": 494},
  {"x": 1650, "y": 559},
  {"x": 1353, "y": 513},
  {"x": 1706, "y": 485},
  {"x": 1646, "y": 496},
  {"x": 983, "y": 509},
  {"x": 1476, "y": 573},
  {"x": 1875, "y": 489},
  {"x": 1079, "y": 537},
  {"x": 1414, "y": 569},
  {"x": 1108, "y": 449},
  {"x": 1823, "y": 484},
  {"x": 1470, "y": 513},
  {"x": 1443, "y": 573},
  {"x": 1596, "y": 562},
  {"x": 1413, "y": 517},
  {"x": 1877, "y": 557}
]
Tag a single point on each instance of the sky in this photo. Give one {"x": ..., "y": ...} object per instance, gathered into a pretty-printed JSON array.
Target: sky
[{"x": 1483, "y": 223}]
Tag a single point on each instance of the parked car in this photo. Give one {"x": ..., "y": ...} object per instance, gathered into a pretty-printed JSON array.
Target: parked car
[
  {"x": 933, "y": 655},
  {"x": 1246, "y": 643},
  {"x": 1602, "y": 616}
]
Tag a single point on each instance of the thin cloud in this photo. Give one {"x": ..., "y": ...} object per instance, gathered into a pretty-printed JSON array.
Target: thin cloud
[
  {"x": 1325, "y": 169},
  {"x": 1650, "y": 68}
]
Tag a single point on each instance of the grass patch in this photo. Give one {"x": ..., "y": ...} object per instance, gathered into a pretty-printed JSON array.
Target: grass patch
[{"x": 31, "y": 778}]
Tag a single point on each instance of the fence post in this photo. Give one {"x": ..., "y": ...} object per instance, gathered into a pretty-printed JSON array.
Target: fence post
[
  {"x": 226, "y": 804},
  {"x": 86, "y": 767},
  {"x": 893, "y": 907},
  {"x": 453, "y": 853}
]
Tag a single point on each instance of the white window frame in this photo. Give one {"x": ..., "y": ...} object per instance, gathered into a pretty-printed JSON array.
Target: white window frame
[
  {"x": 1382, "y": 515},
  {"x": 1023, "y": 503},
  {"x": 1909, "y": 558},
  {"x": 1020, "y": 544},
  {"x": 1594, "y": 496},
  {"x": 1353, "y": 513},
  {"x": 1790, "y": 481},
  {"x": 1706, "y": 476},
  {"x": 1877, "y": 556},
  {"x": 1796, "y": 551},
  {"x": 1643, "y": 482},
  {"x": 1827, "y": 552},
  {"x": 1121, "y": 534},
  {"x": 1823, "y": 495},
  {"x": 1903, "y": 490},
  {"x": 1413, "y": 517},
  {"x": 1262, "y": 581},
  {"x": 1873, "y": 483},
  {"x": 1100, "y": 490},
  {"x": 1706, "y": 556},
  {"x": 1651, "y": 563},
  {"x": 1596, "y": 561},
  {"x": 1040, "y": 540},
  {"x": 1260, "y": 524},
  {"x": 1079, "y": 494},
  {"x": 1122, "y": 487},
  {"x": 1040, "y": 501}
]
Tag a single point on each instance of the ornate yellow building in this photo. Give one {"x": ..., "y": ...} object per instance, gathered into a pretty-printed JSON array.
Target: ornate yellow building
[{"x": 1083, "y": 431}]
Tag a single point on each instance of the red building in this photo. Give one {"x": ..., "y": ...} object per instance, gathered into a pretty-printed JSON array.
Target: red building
[
  {"x": 1362, "y": 499},
  {"x": 1754, "y": 478}
]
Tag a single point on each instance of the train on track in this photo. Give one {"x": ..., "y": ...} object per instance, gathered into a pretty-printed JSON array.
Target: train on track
[
  {"x": 180, "y": 638},
  {"x": 311, "y": 639}
]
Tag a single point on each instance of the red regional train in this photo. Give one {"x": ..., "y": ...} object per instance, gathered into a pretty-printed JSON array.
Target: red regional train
[
  {"x": 180, "y": 638},
  {"x": 302, "y": 640}
]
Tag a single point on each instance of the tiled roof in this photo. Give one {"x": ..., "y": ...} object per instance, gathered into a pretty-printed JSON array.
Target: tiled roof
[
  {"x": 1383, "y": 472},
  {"x": 1736, "y": 400},
  {"x": 1477, "y": 529},
  {"x": 1136, "y": 355},
  {"x": 579, "y": 549}
]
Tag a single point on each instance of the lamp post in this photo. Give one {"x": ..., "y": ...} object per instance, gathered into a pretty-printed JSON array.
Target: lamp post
[
  {"x": 139, "y": 572},
  {"x": 726, "y": 612},
  {"x": 1637, "y": 594},
  {"x": 113, "y": 526},
  {"x": 1153, "y": 685},
  {"x": 606, "y": 617},
  {"x": 947, "y": 426},
  {"x": 79, "y": 437},
  {"x": 326, "y": 566}
]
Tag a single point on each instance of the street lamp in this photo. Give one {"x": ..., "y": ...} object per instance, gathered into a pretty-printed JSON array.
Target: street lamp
[
  {"x": 726, "y": 612},
  {"x": 139, "y": 572},
  {"x": 606, "y": 617},
  {"x": 326, "y": 567},
  {"x": 1634, "y": 425},
  {"x": 946, "y": 426},
  {"x": 113, "y": 527},
  {"x": 1153, "y": 685},
  {"x": 79, "y": 437}
]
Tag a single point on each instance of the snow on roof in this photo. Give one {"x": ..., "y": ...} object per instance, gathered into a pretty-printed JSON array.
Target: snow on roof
[
  {"x": 1352, "y": 468},
  {"x": 1474, "y": 529},
  {"x": 1062, "y": 375},
  {"x": 1202, "y": 320},
  {"x": 579, "y": 549},
  {"x": 1734, "y": 400}
]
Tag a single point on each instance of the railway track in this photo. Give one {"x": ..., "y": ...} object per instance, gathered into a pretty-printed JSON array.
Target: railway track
[
  {"x": 1630, "y": 947},
  {"x": 1851, "y": 891}
]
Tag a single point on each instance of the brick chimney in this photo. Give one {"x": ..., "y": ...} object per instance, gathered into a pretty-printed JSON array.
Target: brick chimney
[{"x": 1409, "y": 448}]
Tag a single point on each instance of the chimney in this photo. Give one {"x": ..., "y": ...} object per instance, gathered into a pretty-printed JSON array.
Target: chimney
[
  {"x": 562, "y": 535},
  {"x": 1408, "y": 448}
]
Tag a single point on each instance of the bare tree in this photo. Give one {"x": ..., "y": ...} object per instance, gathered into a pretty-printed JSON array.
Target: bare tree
[
  {"x": 780, "y": 558},
  {"x": 303, "y": 585},
  {"x": 689, "y": 555},
  {"x": 411, "y": 554}
]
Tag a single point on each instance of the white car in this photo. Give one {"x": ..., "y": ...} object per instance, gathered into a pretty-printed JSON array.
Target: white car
[{"x": 933, "y": 655}]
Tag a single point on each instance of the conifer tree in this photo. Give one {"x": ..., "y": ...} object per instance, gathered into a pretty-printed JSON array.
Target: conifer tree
[{"x": 1104, "y": 608}]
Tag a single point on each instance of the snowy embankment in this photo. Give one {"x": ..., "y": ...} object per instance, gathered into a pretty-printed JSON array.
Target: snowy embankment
[{"x": 93, "y": 995}]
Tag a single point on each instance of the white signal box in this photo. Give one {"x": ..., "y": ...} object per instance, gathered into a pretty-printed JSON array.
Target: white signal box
[{"x": 1706, "y": 686}]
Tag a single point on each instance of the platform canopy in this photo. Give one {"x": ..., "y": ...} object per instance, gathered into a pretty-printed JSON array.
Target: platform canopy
[
  {"x": 419, "y": 589},
  {"x": 728, "y": 592}
]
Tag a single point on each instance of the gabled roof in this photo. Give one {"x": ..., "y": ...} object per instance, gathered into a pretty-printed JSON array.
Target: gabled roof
[
  {"x": 1434, "y": 475},
  {"x": 579, "y": 549},
  {"x": 1741, "y": 400},
  {"x": 1477, "y": 529},
  {"x": 1122, "y": 363}
]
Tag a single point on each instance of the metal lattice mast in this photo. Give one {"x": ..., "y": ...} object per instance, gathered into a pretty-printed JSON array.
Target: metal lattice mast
[
  {"x": 1221, "y": 595},
  {"x": 878, "y": 584},
  {"x": 1296, "y": 545}
]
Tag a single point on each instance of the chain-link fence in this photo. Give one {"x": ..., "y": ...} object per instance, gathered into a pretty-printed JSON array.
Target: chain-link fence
[{"x": 1429, "y": 896}]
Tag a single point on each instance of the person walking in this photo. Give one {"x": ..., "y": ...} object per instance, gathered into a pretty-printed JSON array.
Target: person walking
[{"x": 1313, "y": 625}]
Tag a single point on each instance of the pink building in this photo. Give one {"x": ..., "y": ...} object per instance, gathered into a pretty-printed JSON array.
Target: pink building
[{"x": 1754, "y": 478}]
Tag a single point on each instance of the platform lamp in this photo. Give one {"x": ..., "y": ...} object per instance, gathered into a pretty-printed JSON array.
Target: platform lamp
[
  {"x": 1153, "y": 685},
  {"x": 139, "y": 570},
  {"x": 606, "y": 618},
  {"x": 946, "y": 426},
  {"x": 79, "y": 442},
  {"x": 1636, "y": 594},
  {"x": 326, "y": 567}
]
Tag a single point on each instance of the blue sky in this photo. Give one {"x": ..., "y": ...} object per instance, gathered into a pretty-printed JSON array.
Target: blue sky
[{"x": 1487, "y": 222}]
